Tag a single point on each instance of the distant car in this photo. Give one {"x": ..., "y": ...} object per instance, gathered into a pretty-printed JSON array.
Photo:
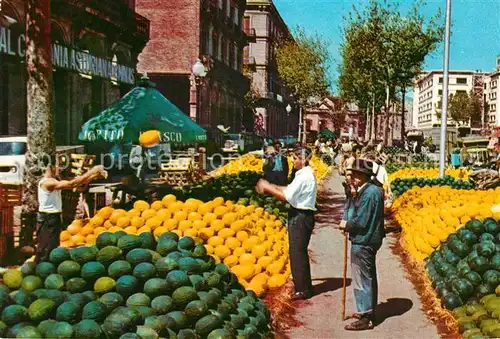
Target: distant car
[{"x": 12, "y": 159}]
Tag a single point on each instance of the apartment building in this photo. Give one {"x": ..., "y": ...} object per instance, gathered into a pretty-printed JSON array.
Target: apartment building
[
  {"x": 264, "y": 21},
  {"x": 492, "y": 97},
  {"x": 427, "y": 94}
]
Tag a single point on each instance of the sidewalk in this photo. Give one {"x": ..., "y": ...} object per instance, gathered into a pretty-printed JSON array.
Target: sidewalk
[{"x": 398, "y": 311}]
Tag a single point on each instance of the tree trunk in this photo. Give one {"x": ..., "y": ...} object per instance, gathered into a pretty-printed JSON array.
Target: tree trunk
[
  {"x": 373, "y": 129},
  {"x": 387, "y": 116},
  {"x": 367, "y": 124},
  {"x": 403, "y": 118},
  {"x": 39, "y": 106}
]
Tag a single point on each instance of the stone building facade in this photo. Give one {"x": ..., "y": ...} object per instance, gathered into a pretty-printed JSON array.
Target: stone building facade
[
  {"x": 212, "y": 30},
  {"x": 95, "y": 50},
  {"x": 263, "y": 20}
]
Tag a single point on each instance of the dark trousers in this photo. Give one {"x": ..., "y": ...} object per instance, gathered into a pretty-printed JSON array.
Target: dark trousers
[
  {"x": 49, "y": 228},
  {"x": 364, "y": 279},
  {"x": 300, "y": 227}
]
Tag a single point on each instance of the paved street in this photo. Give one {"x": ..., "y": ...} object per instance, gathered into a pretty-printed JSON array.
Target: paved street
[{"x": 399, "y": 306}]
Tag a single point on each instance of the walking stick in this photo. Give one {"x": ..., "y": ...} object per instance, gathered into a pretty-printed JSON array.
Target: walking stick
[{"x": 344, "y": 287}]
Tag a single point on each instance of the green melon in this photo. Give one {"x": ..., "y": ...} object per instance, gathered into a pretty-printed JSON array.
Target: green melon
[
  {"x": 166, "y": 246},
  {"x": 155, "y": 256},
  {"x": 44, "y": 269},
  {"x": 127, "y": 285},
  {"x": 92, "y": 296},
  {"x": 168, "y": 235},
  {"x": 145, "y": 311},
  {"x": 23, "y": 297},
  {"x": 108, "y": 255},
  {"x": 147, "y": 240},
  {"x": 14, "y": 330},
  {"x": 28, "y": 268},
  {"x": 104, "y": 285},
  {"x": 147, "y": 333},
  {"x": 119, "y": 268},
  {"x": 129, "y": 242},
  {"x": 200, "y": 251},
  {"x": 213, "y": 279},
  {"x": 475, "y": 226},
  {"x": 186, "y": 243},
  {"x": 183, "y": 295},
  {"x": 207, "y": 324},
  {"x": 187, "y": 333},
  {"x": 41, "y": 309},
  {"x": 138, "y": 299},
  {"x": 162, "y": 304},
  {"x": 55, "y": 295},
  {"x": 83, "y": 255},
  {"x": 220, "y": 333},
  {"x": 196, "y": 309},
  {"x": 156, "y": 286},
  {"x": 139, "y": 255},
  {"x": 198, "y": 282},
  {"x": 76, "y": 285},
  {"x": 92, "y": 271},
  {"x": 61, "y": 330},
  {"x": 212, "y": 299},
  {"x": 58, "y": 255},
  {"x": 157, "y": 323},
  {"x": 69, "y": 311},
  {"x": 87, "y": 329},
  {"x": 54, "y": 282},
  {"x": 5, "y": 299},
  {"x": 119, "y": 323},
  {"x": 95, "y": 310},
  {"x": 144, "y": 271},
  {"x": 176, "y": 255},
  {"x": 29, "y": 332},
  {"x": 14, "y": 314},
  {"x": 105, "y": 239},
  {"x": 162, "y": 267},
  {"x": 131, "y": 335},
  {"x": 80, "y": 298},
  {"x": 177, "y": 278},
  {"x": 13, "y": 279},
  {"x": 69, "y": 269},
  {"x": 221, "y": 269},
  {"x": 189, "y": 265},
  {"x": 178, "y": 320},
  {"x": 45, "y": 327},
  {"x": 111, "y": 300},
  {"x": 3, "y": 329}
]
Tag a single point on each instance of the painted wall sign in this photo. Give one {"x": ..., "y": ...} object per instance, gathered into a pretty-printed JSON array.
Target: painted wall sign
[{"x": 69, "y": 58}]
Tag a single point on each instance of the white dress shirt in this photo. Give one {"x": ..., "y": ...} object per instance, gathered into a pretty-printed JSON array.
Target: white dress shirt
[{"x": 301, "y": 193}]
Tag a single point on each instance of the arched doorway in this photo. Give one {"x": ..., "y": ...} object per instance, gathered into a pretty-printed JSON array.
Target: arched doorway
[{"x": 12, "y": 73}]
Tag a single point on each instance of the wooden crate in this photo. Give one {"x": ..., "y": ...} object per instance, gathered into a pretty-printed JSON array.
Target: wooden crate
[{"x": 11, "y": 194}]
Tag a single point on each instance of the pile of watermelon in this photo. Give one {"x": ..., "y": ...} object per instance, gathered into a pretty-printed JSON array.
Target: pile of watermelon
[
  {"x": 126, "y": 287},
  {"x": 400, "y": 186}
]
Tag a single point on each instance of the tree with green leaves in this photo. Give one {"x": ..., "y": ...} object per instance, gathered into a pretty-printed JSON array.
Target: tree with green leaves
[
  {"x": 382, "y": 51},
  {"x": 463, "y": 108},
  {"x": 302, "y": 64}
]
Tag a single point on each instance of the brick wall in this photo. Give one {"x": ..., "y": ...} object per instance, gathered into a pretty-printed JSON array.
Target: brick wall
[{"x": 174, "y": 38}]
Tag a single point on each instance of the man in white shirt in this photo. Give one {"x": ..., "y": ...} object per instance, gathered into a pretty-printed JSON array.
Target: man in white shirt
[
  {"x": 50, "y": 206},
  {"x": 301, "y": 195}
]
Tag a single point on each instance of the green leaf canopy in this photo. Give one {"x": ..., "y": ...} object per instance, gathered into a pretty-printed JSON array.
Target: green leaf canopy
[{"x": 142, "y": 109}]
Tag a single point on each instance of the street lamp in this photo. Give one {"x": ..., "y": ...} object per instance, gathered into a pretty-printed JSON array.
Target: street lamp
[
  {"x": 200, "y": 72},
  {"x": 288, "y": 111}
]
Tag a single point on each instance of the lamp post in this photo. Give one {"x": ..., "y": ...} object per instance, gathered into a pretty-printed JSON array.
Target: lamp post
[
  {"x": 288, "y": 111},
  {"x": 200, "y": 72}
]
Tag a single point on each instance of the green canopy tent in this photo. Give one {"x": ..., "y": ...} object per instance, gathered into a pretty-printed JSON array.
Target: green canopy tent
[
  {"x": 142, "y": 109},
  {"x": 327, "y": 133}
]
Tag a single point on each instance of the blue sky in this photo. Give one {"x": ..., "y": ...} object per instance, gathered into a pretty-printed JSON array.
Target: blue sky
[{"x": 475, "y": 40}]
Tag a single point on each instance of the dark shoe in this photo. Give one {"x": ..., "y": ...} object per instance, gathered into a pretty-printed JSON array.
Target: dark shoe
[
  {"x": 300, "y": 296},
  {"x": 362, "y": 324}
]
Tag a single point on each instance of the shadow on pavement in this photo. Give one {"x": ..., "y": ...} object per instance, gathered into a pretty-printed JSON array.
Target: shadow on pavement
[
  {"x": 393, "y": 307},
  {"x": 329, "y": 285},
  {"x": 330, "y": 210}
]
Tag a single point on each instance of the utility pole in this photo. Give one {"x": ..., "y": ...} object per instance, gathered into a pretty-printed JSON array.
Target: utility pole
[{"x": 444, "y": 107}]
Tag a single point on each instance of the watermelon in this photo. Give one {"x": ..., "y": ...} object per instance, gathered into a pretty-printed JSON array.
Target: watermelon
[
  {"x": 139, "y": 255},
  {"x": 486, "y": 248},
  {"x": 474, "y": 278},
  {"x": 491, "y": 226},
  {"x": 79, "y": 298},
  {"x": 92, "y": 271},
  {"x": 119, "y": 268},
  {"x": 83, "y": 255},
  {"x": 76, "y": 285},
  {"x": 41, "y": 309},
  {"x": 186, "y": 243},
  {"x": 213, "y": 279},
  {"x": 147, "y": 240},
  {"x": 14, "y": 314},
  {"x": 177, "y": 320},
  {"x": 175, "y": 256},
  {"x": 200, "y": 251},
  {"x": 44, "y": 269},
  {"x": 162, "y": 267},
  {"x": 187, "y": 333},
  {"x": 54, "y": 282},
  {"x": 58, "y": 255},
  {"x": 111, "y": 300},
  {"x": 495, "y": 262},
  {"x": 138, "y": 299},
  {"x": 105, "y": 239},
  {"x": 486, "y": 237},
  {"x": 183, "y": 295},
  {"x": 144, "y": 271},
  {"x": 157, "y": 323},
  {"x": 13, "y": 331},
  {"x": 492, "y": 277},
  {"x": 13, "y": 279},
  {"x": 28, "y": 332},
  {"x": 61, "y": 330},
  {"x": 162, "y": 304},
  {"x": 95, "y": 310},
  {"x": 69, "y": 269},
  {"x": 57, "y": 296},
  {"x": 129, "y": 242},
  {"x": 28, "y": 268},
  {"x": 91, "y": 295},
  {"x": 207, "y": 324},
  {"x": 155, "y": 287},
  {"x": 127, "y": 285},
  {"x": 168, "y": 235},
  {"x": 165, "y": 247},
  {"x": 177, "y": 278},
  {"x": 484, "y": 289},
  {"x": 119, "y": 234},
  {"x": 5, "y": 299},
  {"x": 108, "y": 255},
  {"x": 196, "y": 309},
  {"x": 198, "y": 282},
  {"x": 69, "y": 311},
  {"x": 155, "y": 256},
  {"x": 475, "y": 226},
  {"x": 145, "y": 311},
  {"x": 146, "y": 332},
  {"x": 31, "y": 283},
  {"x": 104, "y": 285},
  {"x": 463, "y": 288},
  {"x": 459, "y": 248},
  {"x": 452, "y": 258},
  {"x": 467, "y": 236},
  {"x": 211, "y": 299},
  {"x": 23, "y": 297},
  {"x": 189, "y": 265},
  {"x": 87, "y": 329},
  {"x": 479, "y": 264},
  {"x": 131, "y": 335},
  {"x": 121, "y": 321},
  {"x": 45, "y": 327}
]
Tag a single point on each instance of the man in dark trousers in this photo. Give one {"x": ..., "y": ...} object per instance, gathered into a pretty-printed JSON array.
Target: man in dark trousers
[
  {"x": 275, "y": 166},
  {"x": 301, "y": 195},
  {"x": 50, "y": 206},
  {"x": 364, "y": 221}
]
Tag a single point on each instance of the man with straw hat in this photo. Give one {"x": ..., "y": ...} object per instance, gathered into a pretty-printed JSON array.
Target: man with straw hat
[
  {"x": 301, "y": 195},
  {"x": 364, "y": 221}
]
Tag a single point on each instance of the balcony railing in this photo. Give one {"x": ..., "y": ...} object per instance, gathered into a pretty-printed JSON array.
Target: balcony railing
[
  {"x": 251, "y": 35},
  {"x": 249, "y": 61}
]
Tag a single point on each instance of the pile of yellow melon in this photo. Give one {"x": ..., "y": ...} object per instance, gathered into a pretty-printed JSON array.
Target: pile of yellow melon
[
  {"x": 428, "y": 215},
  {"x": 429, "y": 173},
  {"x": 249, "y": 240}
]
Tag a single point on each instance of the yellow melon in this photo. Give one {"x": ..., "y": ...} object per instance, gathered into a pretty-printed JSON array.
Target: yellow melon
[
  {"x": 209, "y": 217},
  {"x": 275, "y": 267},
  {"x": 108, "y": 224},
  {"x": 90, "y": 239},
  {"x": 231, "y": 260},
  {"x": 148, "y": 214},
  {"x": 220, "y": 211},
  {"x": 99, "y": 230},
  {"x": 86, "y": 230},
  {"x": 184, "y": 225},
  {"x": 205, "y": 208},
  {"x": 199, "y": 224},
  {"x": 141, "y": 205},
  {"x": 168, "y": 200},
  {"x": 259, "y": 289},
  {"x": 74, "y": 229},
  {"x": 232, "y": 243},
  {"x": 260, "y": 278},
  {"x": 191, "y": 232},
  {"x": 78, "y": 240},
  {"x": 247, "y": 259},
  {"x": 226, "y": 233},
  {"x": 157, "y": 205},
  {"x": 265, "y": 261},
  {"x": 96, "y": 221},
  {"x": 143, "y": 229},
  {"x": 217, "y": 225},
  {"x": 180, "y": 215},
  {"x": 239, "y": 251},
  {"x": 244, "y": 272},
  {"x": 171, "y": 224},
  {"x": 238, "y": 225},
  {"x": 215, "y": 241},
  {"x": 276, "y": 280},
  {"x": 242, "y": 235},
  {"x": 160, "y": 230},
  {"x": 175, "y": 206},
  {"x": 222, "y": 252},
  {"x": 229, "y": 218},
  {"x": 154, "y": 222},
  {"x": 105, "y": 212},
  {"x": 206, "y": 233},
  {"x": 130, "y": 230},
  {"x": 117, "y": 214},
  {"x": 195, "y": 216},
  {"x": 113, "y": 229},
  {"x": 137, "y": 221},
  {"x": 259, "y": 250},
  {"x": 65, "y": 236},
  {"x": 217, "y": 202},
  {"x": 257, "y": 268},
  {"x": 123, "y": 222},
  {"x": 133, "y": 213},
  {"x": 210, "y": 248},
  {"x": 163, "y": 214}
]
